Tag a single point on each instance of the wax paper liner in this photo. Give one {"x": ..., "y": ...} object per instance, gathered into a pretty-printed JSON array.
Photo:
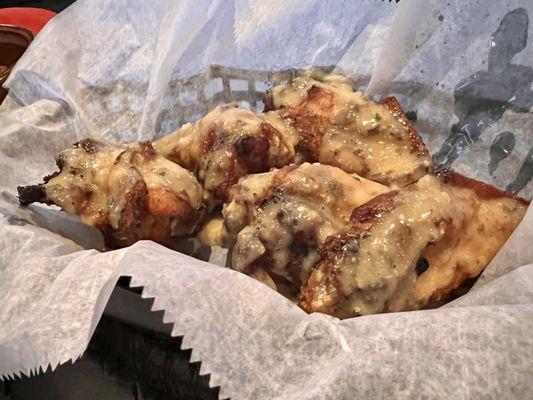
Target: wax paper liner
[{"x": 128, "y": 70}]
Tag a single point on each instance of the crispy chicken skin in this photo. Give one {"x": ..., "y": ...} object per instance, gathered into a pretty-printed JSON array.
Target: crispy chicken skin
[
  {"x": 340, "y": 127},
  {"x": 328, "y": 197},
  {"x": 277, "y": 220},
  {"x": 406, "y": 248},
  {"x": 129, "y": 192},
  {"x": 227, "y": 144}
]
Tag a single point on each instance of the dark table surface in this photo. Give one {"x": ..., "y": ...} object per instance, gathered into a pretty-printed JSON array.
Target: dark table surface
[
  {"x": 52, "y": 5},
  {"x": 131, "y": 356}
]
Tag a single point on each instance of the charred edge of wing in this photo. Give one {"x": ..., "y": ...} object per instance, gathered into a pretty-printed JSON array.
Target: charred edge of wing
[
  {"x": 135, "y": 209},
  {"x": 37, "y": 193},
  {"x": 251, "y": 156},
  {"x": 417, "y": 144},
  {"x": 252, "y": 150},
  {"x": 32, "y": 194},
  {"x": 91, "y": 146},
  {"x": 208, "y": 142},
  {"x": 373, "y": 209},
  {"x": 316, "y": 94},
  {"x": 47, "y": 178},
  {"x": 222, "y": 190},
  {"x": 299, "y": 249},
  {"x": 361, "y": 221},
  {"x": 268, "y": 100},
  {"x": 305, "y": 296},
  {"x": 481, "y": 189},
  {"x": 308, "y": 289},
  {"x": 312, "y": 118},
  {"x": 146, "y": 149}
]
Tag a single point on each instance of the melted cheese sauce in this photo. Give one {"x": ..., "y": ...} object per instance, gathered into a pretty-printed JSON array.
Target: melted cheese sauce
[
  {"x": 363, "y": 136},
  {"x": 454, "y": 229},
  {"x": 485, "y": 228},
  {"x": 294, "y": 93},
  {"x": 211, "y": 232},
  {"x": 377, "y": 272},
  {"x": 288, "y": 215},
  {"x": 207, "y": 147},
  {"x": 81, "y": 187},
  {"x": 94, "y": 184}
]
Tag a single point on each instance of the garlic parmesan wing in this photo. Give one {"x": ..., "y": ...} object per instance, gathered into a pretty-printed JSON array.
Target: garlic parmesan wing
[
  {"x": 490, "y": 216},
  {"x": 406, "y": 248},
  {"x": 340, "y": 127},
  {"x": 278, "y": 220},
  {"x": 227, "y": 144},
  {"x": 129, "y": 192}
]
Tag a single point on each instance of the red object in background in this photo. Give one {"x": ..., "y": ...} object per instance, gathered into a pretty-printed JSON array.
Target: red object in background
[
  {"x": 18, "y": 26},
  {"x": 32, "y": 19}
]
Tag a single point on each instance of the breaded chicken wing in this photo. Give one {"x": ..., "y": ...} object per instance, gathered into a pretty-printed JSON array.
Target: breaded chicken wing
[
  {"x": 278, "y": 220},
  {"x": 129, "y": 192},
  {"x": 406, "y": 248},
  {"x": 227, "y": 144},
  {"x": 340, "y": 127}
]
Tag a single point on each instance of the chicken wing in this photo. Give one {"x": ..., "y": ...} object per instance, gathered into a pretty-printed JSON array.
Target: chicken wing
[
  {"x": 340, "y": 127},
  {"x": 278, "y": 220},
  {"x": 406, "y": 248},
  {"x": 227, "y": 144},
  {"x": 129, "y": 192}
]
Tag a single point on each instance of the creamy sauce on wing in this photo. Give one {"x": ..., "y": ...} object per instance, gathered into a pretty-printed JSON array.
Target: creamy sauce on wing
[
  {"x": 452, "y": 229},
  {"x": 376, "y": 272},
  {"x": 287, "y": 215},
  {"x": 81, "y": 187},
  {"x": 294, "y": 93},
  {"x": 288, "y": 134},
  {"x": 208, "y": 147},
  {"x": 486, "y": 226},
  {"x": 211, "y": 232},
  {"x": 246, "y": 198},
  {"x": 94, "y": 182},
  {"x": 173, "y": 147},
  {"x": 362, "y": 136}
]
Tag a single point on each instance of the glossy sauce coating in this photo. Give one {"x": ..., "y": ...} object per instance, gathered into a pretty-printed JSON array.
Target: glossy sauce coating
[
  {"x": 278, "y": 220},
  {"x": 371, "y": 265},
  {"x": 130, "y": 191},
  {"x": 227, "y": 144},
  {"x": 340, "y": 127}
]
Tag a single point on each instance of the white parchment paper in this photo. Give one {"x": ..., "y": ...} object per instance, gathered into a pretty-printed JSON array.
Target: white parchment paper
[{"x": 127, "y": 70}]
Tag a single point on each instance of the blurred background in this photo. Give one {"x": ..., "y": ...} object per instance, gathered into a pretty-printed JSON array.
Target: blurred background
[{"x": 52, "y": 5}]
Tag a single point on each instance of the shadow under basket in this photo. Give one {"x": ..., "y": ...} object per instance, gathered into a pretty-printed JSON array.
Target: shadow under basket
[{"x": 131, "y": 356}]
